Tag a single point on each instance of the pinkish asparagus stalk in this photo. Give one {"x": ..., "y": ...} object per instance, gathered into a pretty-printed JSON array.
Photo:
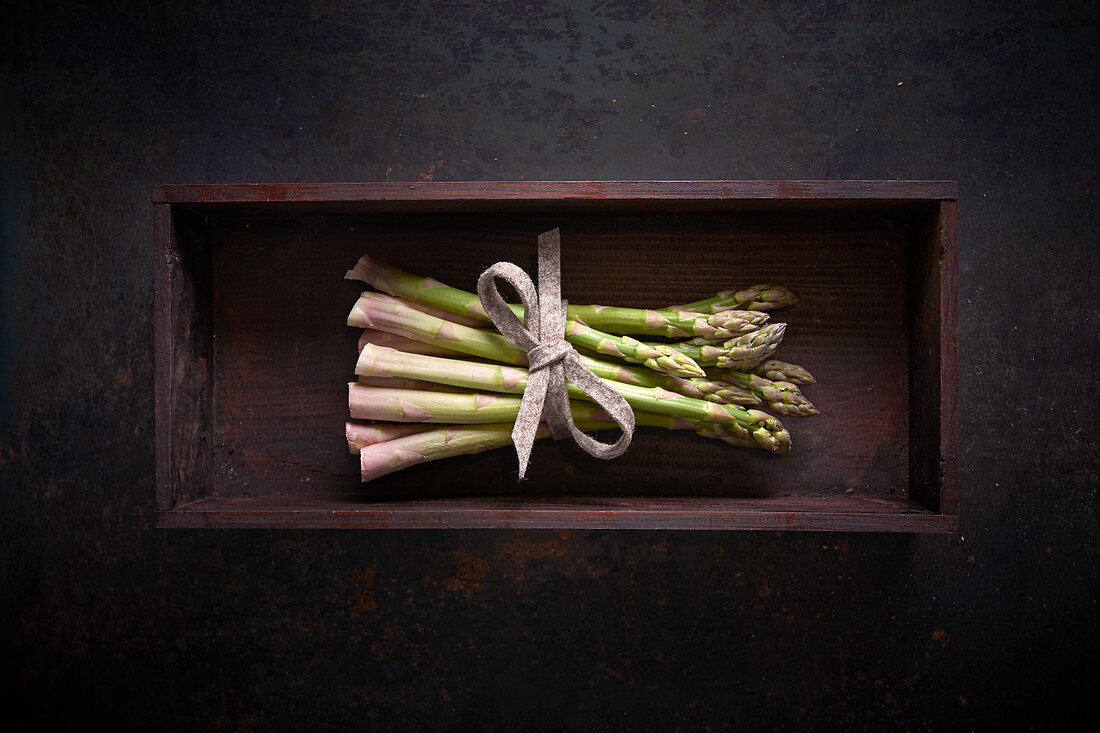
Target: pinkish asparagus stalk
[
  {"x": 440, "y": 313},
  {"x": 433, "y": 444},
  {"x": 393, "y": 341},
  {"x": 399, "y": 383},
  {"x": 361, "y": 435}
]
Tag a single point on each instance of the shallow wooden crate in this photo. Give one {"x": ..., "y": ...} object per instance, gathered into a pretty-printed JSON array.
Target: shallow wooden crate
[{"x": 253, "y": 354}]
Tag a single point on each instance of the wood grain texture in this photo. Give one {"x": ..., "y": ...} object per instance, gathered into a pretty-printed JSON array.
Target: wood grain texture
[
  {"x": 466, "y": 191},
  {"x": 184, "y": 359},
  {"x": 948, "y": 355},
  {"x": 279, "y": 309},
  {"x": 281, "y": 356},
  {"x": 847, "y": 515},
  {"x": 162, "y": 319},
  {"x": 933, "y": 336}
]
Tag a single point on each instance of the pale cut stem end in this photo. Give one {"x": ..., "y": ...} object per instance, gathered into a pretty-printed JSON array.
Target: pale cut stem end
[{"x": 360, "y": 435}]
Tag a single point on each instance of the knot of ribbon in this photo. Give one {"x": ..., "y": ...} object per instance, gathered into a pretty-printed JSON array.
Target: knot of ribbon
[{"x": 551, "y": 359}]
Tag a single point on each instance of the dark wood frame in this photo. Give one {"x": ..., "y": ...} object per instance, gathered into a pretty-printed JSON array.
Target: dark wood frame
[{"x": 185, "y": 479}]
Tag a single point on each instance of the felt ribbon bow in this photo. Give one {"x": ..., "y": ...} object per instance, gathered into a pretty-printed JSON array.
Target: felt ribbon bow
[{"x": 551, "y": 359}]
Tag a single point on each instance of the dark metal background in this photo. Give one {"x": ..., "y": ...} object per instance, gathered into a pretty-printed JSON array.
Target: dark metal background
[{"x": 105, "y": 617}]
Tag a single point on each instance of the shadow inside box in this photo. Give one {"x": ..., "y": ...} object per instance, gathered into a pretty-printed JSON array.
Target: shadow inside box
[{"x": 657, "y": 463}]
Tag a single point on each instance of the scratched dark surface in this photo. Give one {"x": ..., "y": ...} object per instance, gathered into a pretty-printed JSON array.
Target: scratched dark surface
[{"x": 105, "y": 618}]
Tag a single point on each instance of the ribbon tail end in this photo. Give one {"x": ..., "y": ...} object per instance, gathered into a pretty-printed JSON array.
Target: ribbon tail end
[{"x": 523, "y": 452}]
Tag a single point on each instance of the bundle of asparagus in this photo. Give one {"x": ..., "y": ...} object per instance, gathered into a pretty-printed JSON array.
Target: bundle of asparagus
[{"x": 435, "y": 379}]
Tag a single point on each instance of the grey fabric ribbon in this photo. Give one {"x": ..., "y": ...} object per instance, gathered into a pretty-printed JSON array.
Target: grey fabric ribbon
[{"x": 551, "y": 359}]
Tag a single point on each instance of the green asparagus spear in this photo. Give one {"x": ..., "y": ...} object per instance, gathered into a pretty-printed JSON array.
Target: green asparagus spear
[
  {"x": 784, "y": 371},
  {"x": 703, "y": 388},
  {"x": 783, "y": 397},
  {"x": 658, "y": 357},
  {"x": 431, "y": 292},
  {"x": 723, "y": 392},
  {"x": 386, "y": 313},
  {"x": 426, "y": 290},
  {"x": 743, "y": 352},
  {"x": 719, "y": 391},
  {"x": 384, "y": 362},
  {"x": 378, "y": 459},
  {"x": 672, "y": 324},
  {"x": 467, "y": 408},
  {"x": 756, "y": 298}
]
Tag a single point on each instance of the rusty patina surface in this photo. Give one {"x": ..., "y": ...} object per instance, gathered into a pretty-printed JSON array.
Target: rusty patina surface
[{"x": 106, "y": 618}]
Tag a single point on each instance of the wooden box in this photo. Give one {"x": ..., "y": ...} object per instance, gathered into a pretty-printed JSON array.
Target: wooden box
[{"x": 253, "y": 355}]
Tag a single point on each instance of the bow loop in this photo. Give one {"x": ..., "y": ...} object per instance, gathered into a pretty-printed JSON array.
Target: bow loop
[
  {"x": 550, "y": 357},
  {"x": 499, "y": 312}
]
